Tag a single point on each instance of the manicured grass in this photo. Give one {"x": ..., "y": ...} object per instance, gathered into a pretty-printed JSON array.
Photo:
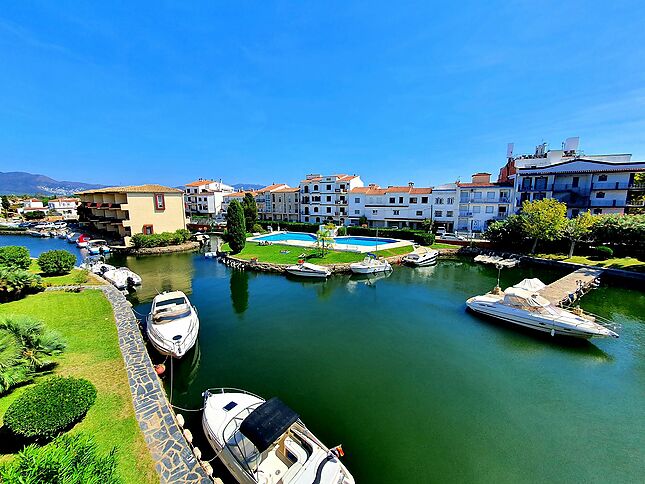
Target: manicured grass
[
  {"x": 441, "y": 245},
  {"x": 272, "y": 254},
  {"x": 625, "y": 263},
  {"x": 86, "y": 322},
  {"x": 74, "y": 277}
]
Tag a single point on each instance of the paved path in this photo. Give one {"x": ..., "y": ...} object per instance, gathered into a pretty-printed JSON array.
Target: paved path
[
  {"x": 174, "y": 460},
  {"x": 569, "y": 288}
]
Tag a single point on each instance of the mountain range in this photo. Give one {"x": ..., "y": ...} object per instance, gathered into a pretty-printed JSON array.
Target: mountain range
[{"x": 21, "y": 183}]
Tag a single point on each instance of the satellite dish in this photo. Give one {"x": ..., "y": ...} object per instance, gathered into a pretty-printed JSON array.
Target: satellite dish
[
  {"x": 571, "y": 144},
  {"x": 509, "y": 150}
]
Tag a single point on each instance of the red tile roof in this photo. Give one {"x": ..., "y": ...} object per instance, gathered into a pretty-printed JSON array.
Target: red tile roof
[
  {"x": 339, "y": 178},
  {"x": 273, "y": 187},
  {"x": 199, "y": 183},
  {"x": 372, "y": 190}
]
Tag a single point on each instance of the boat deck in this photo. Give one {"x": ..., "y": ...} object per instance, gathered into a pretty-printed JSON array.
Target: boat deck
[{"x": 571, "y": 287}]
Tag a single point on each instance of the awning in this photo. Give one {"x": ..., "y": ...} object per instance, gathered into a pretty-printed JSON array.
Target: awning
[{"x": 267, "y": 423}]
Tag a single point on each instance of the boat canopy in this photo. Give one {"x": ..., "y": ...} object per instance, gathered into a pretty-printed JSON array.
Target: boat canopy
[
  {"x": 521, "y": 297},
  {"x": 267, "y": 423},
  {"x": 532, "y": 285}
]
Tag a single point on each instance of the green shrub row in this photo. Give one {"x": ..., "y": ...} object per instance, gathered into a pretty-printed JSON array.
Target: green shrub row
[
  {"x": 164, "y": 239},
  {"x": 419, "y": 236},
  {"x": 290, "y": 226},
  {"x": 56, "y": 262},
  {"x": 50, "y": 407},
  {"x": 15, "y": 256}
]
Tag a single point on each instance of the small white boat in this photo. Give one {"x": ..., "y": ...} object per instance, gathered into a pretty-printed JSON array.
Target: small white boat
[
  {"x": 96, "y": 265},
  {"x": 71, "y": 237},
  {"x": 266, "y": 442},
  {"x": 210, "y": 255},
  {"x": 122, "y": 277},
  {"x": 305, "y": 269},
  {"x": 524, "y": 307},
  {"x": 370, "y": 265},
  {"x": 421, "y": 257},
  {"x": 172, "y": 325},
  {"x": 97, "y": 247}
]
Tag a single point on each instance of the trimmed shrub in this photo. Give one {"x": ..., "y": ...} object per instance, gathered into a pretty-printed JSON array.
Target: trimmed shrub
[
  {"x": 48, "y": 408},
  {"x": 56, "y": 262},
  {"x": 164, "y": 239},
  {"x": 342, "y": 231},
  {"x": 405, "y": 234},
  {"x": 291, "y": 226},
  {"x": 15, "y": 256},
  {"x": 258, "y": 228},
  {"x": 424, "y": 238},
  {"x": 16, "y": 283},
  {"x": 604, "y": 252},
  {"x": 72, "y": 459}
]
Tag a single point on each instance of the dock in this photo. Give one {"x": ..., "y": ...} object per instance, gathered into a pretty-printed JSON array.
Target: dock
[{"x": 568, "y": 289}]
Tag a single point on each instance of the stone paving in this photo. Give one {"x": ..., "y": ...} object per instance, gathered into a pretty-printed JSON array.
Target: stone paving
[{"x": 174, "y": 459}]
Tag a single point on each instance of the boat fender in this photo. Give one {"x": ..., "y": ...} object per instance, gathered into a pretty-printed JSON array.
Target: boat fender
[
  {"x": 207, "y": 468},
  {"x": 188, "y": 435},
  {"x": 552, "y": 332},
  {"x": 160, "y": 369},
  {"x": 180, "y": 420},
  {"x": 197, "y": 452}
]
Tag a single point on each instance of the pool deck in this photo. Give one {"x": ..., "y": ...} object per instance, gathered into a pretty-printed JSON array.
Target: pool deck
[{"x": 362, "y": 249}]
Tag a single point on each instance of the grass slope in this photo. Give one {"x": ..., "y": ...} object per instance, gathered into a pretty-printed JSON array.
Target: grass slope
[
  {"x": 87, "y": 323},
  {"x": 77, "y": 276},
  {"x": 625, "y": 263},
  {"x": 272, "y": 254}
]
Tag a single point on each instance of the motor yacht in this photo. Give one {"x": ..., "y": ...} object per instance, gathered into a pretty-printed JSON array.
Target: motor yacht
[
  {"x": 172, "y": 325},
  {"x": 370, "y": 265},
  {"x": 96, "y": 265},
  {"x": 305, "y": 269},
  {"x": 122, "y": 278},
  {"x": 266, "y": 442},
  {"x": 97, "y": 246},
  {"x": 421, "y": 257},
  {"x": 523, "y": 305}
]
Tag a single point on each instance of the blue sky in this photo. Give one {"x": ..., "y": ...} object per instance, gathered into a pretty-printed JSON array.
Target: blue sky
[{"x": 134, "y": 92}]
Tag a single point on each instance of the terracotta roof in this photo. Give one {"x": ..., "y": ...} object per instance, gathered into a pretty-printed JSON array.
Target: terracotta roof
[
  {"x": 151, "y": 188},
  {"x": 491, "y": 184},
  {"x": 240, "y": 194},
  {"x": 273, "y": 187},
  {"x": 385, "y": 191},
  {"x": 287, "y": 190},
  {"x": 199, "y": 183},
  {"x": 64, "y": 200},
  {"x": 481, "y": 173},
  {"x": 340, "y": 177}
]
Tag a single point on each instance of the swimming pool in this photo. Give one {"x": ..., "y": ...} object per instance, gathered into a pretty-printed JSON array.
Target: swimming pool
[{"x": 352, "y": 243}]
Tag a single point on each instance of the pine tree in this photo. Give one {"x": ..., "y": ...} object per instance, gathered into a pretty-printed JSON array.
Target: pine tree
[{"x": 235, "y": 226}]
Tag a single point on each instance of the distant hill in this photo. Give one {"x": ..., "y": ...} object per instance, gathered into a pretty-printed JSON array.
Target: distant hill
[
  {"x": 19, "y": 183},
  {"x": 247, "y": 186}
]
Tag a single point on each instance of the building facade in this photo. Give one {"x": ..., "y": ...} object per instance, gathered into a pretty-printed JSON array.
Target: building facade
[
  {"x": 121, "y": 212},
  {"x": 264, "y": 200},
  {"x": 285, "y": 205},
  {"x": 205, "y": 197},
  {"x": 325, "y": 198},
  {"x": 32, "y": 205},
  {"x": 445, "y": 207},
  {"x": 482, "y": 201},
  {"x": 391, "y": 207},
  {"x": 67, "y": 207}
]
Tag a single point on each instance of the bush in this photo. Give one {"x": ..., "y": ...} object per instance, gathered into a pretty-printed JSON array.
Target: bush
[
  {"x": 72, "y": 459},
  {"x": 508, "y": 233},
  {"x": 424, "y": 238},
  {"x": 604, "y": 252},
  {"x": 35, "y": 215},
  {"x": 15, "y": 256},
  {"x": 56, "y": 262},
  {"x": 291, "y": 226},
  {"x": 16, "y": 283},
  {"x": 342, "y": 231},
  {"x": 258, "y": 228},
  {"x": 405, "y": 234},
  {"x": 48, "y": 408},
  {"x": 164, "y": 239}
]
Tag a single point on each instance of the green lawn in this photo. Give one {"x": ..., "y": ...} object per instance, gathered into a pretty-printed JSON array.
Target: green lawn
[
  {"x": 625, "y": 263},
  {"x": 273, "y": 254},
  {"x": 441, "y": 245},
  {"x": 77, "y": 276},
  {"x": 86, "y": 322}
]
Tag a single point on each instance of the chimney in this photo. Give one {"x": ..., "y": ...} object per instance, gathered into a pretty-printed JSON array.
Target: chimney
[{"x": 481, "y": 177}]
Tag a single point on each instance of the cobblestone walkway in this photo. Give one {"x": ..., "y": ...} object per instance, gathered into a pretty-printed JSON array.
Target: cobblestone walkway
[{"x": 174, "y": 460}]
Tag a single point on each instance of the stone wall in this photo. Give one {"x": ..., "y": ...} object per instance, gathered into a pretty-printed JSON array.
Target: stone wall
[{"x": 185, "y": 247}]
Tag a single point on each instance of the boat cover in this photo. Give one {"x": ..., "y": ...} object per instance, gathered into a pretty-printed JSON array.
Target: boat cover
[
  {"x": 532, "y": 285},
  {"x": 268, "y": 423}
]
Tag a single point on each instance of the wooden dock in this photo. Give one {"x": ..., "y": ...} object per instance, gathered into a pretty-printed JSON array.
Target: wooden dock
[{"x": 570, "y": 288}]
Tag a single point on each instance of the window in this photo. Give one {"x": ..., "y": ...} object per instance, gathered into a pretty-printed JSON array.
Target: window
[
  {"x": 392, "y": 200},
  {"x": 489, "y": 209},
  {"x": 328, "y": 187},
  {"x": 357, "y": 212},
  {"x": 396, "y": 212},
  {"x": 602, "y": 177},
  {"x": 328, "y": 209},
  {"x": 575, "y": 182},
  {"x": 400, "y": 199},
  {"x": 357, "y": 200},
  {"x": 315, "y": 209},
  {"x": 160, "y": 201},
  {"x": 342, "y": 187},
  {"x": 306, "y": 219},
  {"x": 575, "y": 212},
  {"x": 450, "y": 200},
  {"x": 438, "y": 201},
  {"x": 318, "y": 219},
  {"x": 540, "y": 183},
  {"x": 477, "y": 209},
  {"x": 490, "y": 195},
  {"x": 449, "y": 213},
  {"x": 315, "y": 188},
  {"x": 413, "y": 200},
  {"x": 438, "y": 213},
  {"x": 478, "y": 195},
  {"x": 148, "y": 230},
  {"x": 419, "y": 213},
  {"x": 600, "y": 195},
  {"x": 597, "y": 211},
  {"x": 424, "y": 199},
  {"x": 374, "y": 212},
  {"x": 328, "y": 198}
]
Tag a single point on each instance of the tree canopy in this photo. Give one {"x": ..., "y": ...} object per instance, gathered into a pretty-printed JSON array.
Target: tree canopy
[
  {"x": 250, "y": 210},
  {"x": 236, "y": 226},
  {"x": 578, "y": 228},
  {"x": 543, "y": 219}
]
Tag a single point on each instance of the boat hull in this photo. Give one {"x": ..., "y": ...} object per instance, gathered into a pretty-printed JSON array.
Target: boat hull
[{"x": 313, "y": 275}]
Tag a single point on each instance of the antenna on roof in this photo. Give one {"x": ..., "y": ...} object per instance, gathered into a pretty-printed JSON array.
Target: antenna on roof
[
  {"x": 571, "y": 144},
  {"x": 509, "y": 150}
]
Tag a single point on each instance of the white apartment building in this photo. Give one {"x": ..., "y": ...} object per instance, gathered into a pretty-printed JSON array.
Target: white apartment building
[
  {"x": 32, "y": 205},
  {"x": 239, "y": 196},
  {"x": 67, "y": 207},
  {"x": 482, "y": 201},
  {"x": 445, "y": 207},
  {"x": 264, "y": 201},
  {"x": 285, "y": 204},
  {"x": 325, "y": 198},
  {"x": 205, "y": 197},
  {"x": 392, "y": 207}
]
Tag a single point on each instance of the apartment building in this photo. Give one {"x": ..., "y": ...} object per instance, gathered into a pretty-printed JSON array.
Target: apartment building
[
  {"x": 67, "y": 207},
  {"x": 603, "y": 184},
  {"x": 325, "y": 198},
  {"x": 205, "y": 197},
  {"x": 391, "y": 207},
  {"x": 285, "y": 205},
  {"x": 482, "y": 201},
  {"x": 264, "y": 201},
  {"x": 239, "y": 196},
  {"x": 445, "y": 207},
  {"x": 32, "y": 205},
  {"x": 121, "y": 212}
]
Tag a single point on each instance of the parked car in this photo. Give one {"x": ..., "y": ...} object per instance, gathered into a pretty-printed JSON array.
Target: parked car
[{"x": 451, "y": 236}]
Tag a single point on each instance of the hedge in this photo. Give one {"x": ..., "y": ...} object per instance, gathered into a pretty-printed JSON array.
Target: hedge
[
  {"x": 56, "y": 262},
  {"x": 15, "y": 256},
  {"x": 15, "y": 283},
  {"x": 418, "y": 236},
  {"x": 290, "y": 226},
  {"x": 48, "y": 408},
  {"x": 163, "y": 239}
]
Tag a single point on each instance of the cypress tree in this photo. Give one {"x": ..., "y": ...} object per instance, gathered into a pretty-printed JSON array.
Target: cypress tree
[{"x": 235, "y": 226}]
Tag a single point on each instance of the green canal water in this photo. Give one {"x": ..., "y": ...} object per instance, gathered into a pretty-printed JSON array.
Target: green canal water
[{"x": 414, "y": 387}]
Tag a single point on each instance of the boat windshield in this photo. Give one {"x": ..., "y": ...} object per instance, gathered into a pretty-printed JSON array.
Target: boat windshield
[{"x": 170, "y": 310}]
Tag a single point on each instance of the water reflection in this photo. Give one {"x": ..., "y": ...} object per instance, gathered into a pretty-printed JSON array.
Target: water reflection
[
  {"x": 239, "y": 291},
  {"x": 184, "y": 371}
]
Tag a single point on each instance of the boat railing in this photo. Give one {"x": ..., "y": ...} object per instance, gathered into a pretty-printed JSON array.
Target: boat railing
[{"x": 229, "y": 390}]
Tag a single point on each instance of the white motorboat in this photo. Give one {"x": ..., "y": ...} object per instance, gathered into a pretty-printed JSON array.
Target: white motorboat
[
  {"x": 266, "y": 442},
  {"x": 122, "y": 278},
  {"x": 96, "y": 265},
  {"x": 71, "y": 237},
  {"x": 524, "y": 307},
  {"x": 421, "y": 257},
  {"x": 370, "y": 265},
  {"x": 82, "y": 241},
  {"x": 97, "y": 246},
  {"x": 305, "y": 269},
  {"x": 172, "y": 324}
]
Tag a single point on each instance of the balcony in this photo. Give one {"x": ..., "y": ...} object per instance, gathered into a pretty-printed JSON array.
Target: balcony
[
  {"x": 635, "y": 203},
  {"x": 567, "y": 187},
  {"x": 595, "y": 202},
  {"x": 610, "y": 186},
  {"x": 636, "y": 186},
  {"x": 465, "y": 214},
  {"x": 488, "y": 200},
  {"x": 542, "y": 187}
]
